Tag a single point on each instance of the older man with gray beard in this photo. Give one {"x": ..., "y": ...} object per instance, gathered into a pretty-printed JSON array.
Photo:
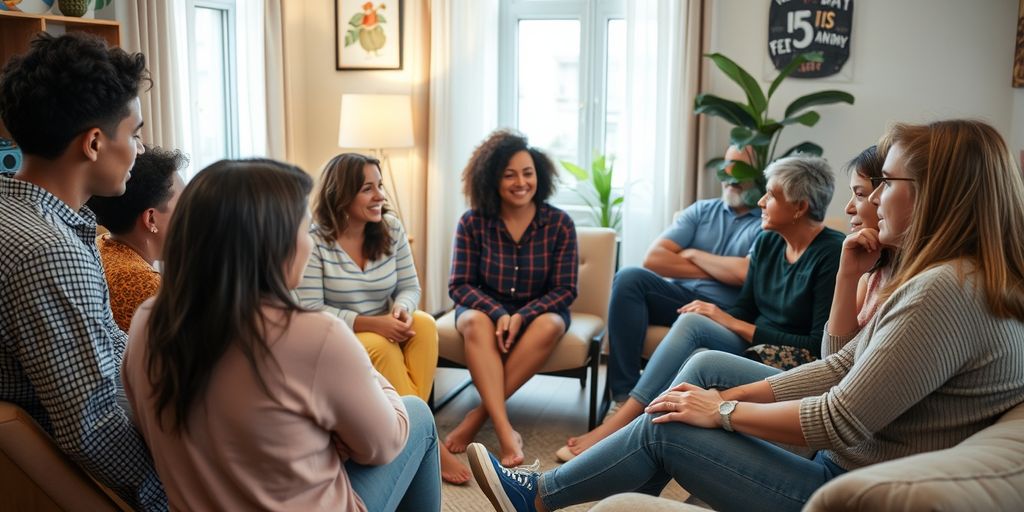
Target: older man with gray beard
[{"x": 701, "y": 256}]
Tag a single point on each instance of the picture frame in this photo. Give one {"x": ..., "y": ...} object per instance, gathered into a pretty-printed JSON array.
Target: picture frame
[
  {"x": 1018, "y": 54},
  {"x": 368, "y": 34}
]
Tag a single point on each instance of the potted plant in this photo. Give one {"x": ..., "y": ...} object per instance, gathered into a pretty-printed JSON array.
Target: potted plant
[
  {"x": 752, "y": 127},
  {"x": 595, "y": 187}
]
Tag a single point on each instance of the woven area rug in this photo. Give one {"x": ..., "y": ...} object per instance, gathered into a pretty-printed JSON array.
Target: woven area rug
[{"x": 538, "y": 445}]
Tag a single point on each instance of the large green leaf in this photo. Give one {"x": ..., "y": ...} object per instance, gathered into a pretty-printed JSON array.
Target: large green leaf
[
  {"x": 356, "y": 19},
  {"x": 807, "y": 119},
  {"x": 742, "y": 171},
  {"x": 818, "y": 98},
  {"x": 793, "y": 64},
  {"x": 748, "y": 83},
  {"x": 575, "y": 170},
  {"x": 806, "y": 148},
  {"x": 717, "y": 164},
  {"x": 741, "y": 137},
  {"x": 729, "y": 110}
]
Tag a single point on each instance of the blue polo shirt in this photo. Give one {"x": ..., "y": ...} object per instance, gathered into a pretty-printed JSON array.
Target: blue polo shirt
[{"x": 711, "y": 226}]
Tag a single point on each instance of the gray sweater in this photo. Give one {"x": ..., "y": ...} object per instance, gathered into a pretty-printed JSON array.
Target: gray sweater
[{"x": 932, "y": 367}]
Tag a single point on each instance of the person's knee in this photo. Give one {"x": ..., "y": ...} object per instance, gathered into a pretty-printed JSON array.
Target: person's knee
[
  {"x": 632, "y": 279},
  {"x": 548, "y": 328},
  {"x": 420, "y": 416},
  {"x": 702, "y": 367},
  {"x": 476, "y": 328},
  {"x": 423, "y": 322}
]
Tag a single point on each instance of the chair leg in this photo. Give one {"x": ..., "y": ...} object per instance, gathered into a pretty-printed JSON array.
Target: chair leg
[{"x": 595, "y": 354}]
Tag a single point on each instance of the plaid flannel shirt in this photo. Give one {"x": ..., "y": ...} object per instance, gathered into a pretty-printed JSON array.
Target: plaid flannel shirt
[
  {"x": 60, "y": 350},
  {"x": 491, "y": 270}
]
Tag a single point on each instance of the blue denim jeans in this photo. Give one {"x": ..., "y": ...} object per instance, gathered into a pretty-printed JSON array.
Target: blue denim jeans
[
  {"x": 413, "y": 480},
  {"x": 640, "y": 298},
  {"x": 690, "y": 332},
  {"x": 727, "y": 470}
]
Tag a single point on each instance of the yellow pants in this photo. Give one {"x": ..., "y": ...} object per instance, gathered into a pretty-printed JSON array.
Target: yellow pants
[{"x": 409, "y": 366}]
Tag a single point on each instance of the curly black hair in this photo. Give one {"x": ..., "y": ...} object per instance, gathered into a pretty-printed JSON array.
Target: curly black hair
[
  {"x": 64, "y": 86},
  {"x": 482, "y": 176},
  {"x": 149, "y": 187}
]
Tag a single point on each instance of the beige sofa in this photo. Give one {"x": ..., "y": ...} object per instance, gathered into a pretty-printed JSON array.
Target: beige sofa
[{"x": 983, "y": 473}]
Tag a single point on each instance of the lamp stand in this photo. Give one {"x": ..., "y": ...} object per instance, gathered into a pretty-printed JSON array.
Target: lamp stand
[{"x": 385, "y": 162}]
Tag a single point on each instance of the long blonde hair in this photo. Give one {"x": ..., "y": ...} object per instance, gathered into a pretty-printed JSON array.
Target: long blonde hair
[{"x": 969, "y": 204}]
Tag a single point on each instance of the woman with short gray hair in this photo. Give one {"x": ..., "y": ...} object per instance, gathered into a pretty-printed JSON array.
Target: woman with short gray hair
[{"x": 785, "y": 300}]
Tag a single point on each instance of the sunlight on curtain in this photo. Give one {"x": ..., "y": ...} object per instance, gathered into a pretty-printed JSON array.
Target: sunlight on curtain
[
  {"x": 660, "y": 129},
  {"x": 463, "y": 110}
]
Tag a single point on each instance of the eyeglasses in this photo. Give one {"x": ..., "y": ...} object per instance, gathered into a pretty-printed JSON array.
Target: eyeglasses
[{"x": 883, "y": 180}]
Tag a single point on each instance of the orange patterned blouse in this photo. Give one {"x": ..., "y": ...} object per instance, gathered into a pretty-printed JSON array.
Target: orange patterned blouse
[{"x": 131, "y": 280}]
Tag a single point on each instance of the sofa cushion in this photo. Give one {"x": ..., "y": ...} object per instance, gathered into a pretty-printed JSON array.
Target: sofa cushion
[{"x": 985, "y": 472}]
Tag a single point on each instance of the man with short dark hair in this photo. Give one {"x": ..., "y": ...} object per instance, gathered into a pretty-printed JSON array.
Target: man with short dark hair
[{"x": 72, "y": 105}]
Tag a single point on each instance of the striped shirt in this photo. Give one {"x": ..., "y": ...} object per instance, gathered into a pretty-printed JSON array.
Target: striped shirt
[
  {"x": 60, "y": 350},
  {"x": 931, "y": 368},
  {"x": 491, "y": 270},
  {"x": 334, "y": 282}
]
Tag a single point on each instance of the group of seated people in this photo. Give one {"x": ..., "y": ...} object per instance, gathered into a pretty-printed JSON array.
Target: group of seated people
[{"x": 277, "y": 359}]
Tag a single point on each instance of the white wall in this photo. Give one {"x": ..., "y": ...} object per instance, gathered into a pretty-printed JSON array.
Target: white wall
[
  {"x": 911, "y": 60},
  {"x": 313, "y": 98}
]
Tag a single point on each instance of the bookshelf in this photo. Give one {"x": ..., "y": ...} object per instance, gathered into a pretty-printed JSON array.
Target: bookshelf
[{"x": 17, "y": 29}]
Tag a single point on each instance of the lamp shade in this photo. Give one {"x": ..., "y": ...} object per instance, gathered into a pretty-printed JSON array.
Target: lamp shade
[{"x": 375, "y": 121}]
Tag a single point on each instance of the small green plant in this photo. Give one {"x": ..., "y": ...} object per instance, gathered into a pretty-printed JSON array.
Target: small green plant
[
  {"x": 751, "y": 125},
  {"x": 595, "y": 187}
]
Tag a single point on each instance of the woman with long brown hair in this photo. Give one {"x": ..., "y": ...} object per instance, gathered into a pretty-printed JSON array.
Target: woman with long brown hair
[
  {"x": 247, "y": 400},
  {"x": 940, "y": 360},
  {"x": 361, "y": 271}
]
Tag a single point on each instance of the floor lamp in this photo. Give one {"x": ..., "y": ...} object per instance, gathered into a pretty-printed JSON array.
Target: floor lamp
[{"x": 377, "y": 122}]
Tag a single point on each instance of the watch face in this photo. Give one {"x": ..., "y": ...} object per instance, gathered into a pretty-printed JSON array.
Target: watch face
[{"x": 726, "y": 407}]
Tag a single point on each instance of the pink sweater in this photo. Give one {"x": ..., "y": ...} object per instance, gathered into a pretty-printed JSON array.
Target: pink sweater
[{"x": 246, "y": 450}]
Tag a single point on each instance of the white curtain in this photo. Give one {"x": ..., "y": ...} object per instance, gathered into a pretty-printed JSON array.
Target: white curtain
[
  {"x": 261, "y": 81},
  {"x": 463, "y": 110},
  {"x": 149, "y": 26},
  {"x": 663, "y": 63}
]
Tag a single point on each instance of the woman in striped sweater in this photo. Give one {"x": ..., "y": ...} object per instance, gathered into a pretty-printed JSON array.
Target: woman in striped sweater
[
  {"x": 362, "y": 271},
  {"x": 940, "y": 360}
]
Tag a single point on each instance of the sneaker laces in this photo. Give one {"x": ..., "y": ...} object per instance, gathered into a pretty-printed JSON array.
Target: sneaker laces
[{"x": 524, "y": 475}]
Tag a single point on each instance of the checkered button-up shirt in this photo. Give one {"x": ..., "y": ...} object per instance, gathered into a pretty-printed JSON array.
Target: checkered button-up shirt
[
  {"x": 60, "y": 350},
  {"x": 491, "y": 270}
]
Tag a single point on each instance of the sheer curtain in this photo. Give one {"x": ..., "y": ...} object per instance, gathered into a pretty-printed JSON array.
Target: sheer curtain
[
  {"x": 663, "y": 50},
  {"x": 261, "y": 81},
  {"x": 463, "y": 110},
  {"x": 148, "y": 26}
]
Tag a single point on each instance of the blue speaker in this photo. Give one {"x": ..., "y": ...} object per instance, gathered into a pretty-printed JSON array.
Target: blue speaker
[{"x": 10, "y": 156}]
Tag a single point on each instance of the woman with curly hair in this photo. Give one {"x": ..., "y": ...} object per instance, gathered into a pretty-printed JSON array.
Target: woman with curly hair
[{"x": 513, "y": 278}]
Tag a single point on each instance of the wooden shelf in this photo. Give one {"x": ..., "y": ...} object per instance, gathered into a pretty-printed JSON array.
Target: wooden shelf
[{"x": 17, "y": 29}]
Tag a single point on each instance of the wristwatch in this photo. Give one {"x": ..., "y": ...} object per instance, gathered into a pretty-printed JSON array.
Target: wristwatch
[{"x": 725, "y": 410}]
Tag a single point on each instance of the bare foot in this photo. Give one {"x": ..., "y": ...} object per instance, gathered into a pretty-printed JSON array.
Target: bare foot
[
  {"x": 464, "y": 433},
  {"x": 626, "y": 413},
  {"x": 511, "y": 450},
  {"x": 453, "y": 470}
]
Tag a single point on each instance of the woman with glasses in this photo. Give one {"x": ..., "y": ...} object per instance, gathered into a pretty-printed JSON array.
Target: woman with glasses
[{"x": 940, "y": 360}]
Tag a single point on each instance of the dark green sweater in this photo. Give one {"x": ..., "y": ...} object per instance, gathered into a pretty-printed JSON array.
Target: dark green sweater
[{"x": 790, "y": 302}]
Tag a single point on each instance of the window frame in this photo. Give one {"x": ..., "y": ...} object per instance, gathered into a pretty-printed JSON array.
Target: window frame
[
  {"x": 594, "y": 17},
  {"x": 230, "y": 58}
]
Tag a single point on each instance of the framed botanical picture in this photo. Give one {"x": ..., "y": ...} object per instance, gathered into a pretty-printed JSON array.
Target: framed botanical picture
[{"x": 368, "y": 34}]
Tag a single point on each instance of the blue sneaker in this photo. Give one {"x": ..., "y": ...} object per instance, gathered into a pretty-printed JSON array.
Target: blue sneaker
[{"x": 508, "y": 489}]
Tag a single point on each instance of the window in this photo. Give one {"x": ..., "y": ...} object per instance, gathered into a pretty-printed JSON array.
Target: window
[
  {"x": 212, "y": 81},
  {"x": 563, "y": 78}
]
